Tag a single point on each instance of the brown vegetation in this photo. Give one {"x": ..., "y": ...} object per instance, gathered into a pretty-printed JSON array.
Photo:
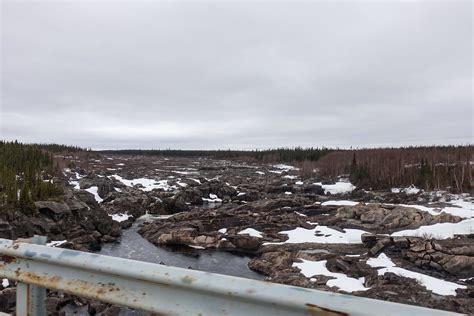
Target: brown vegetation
[{"x": 430, "y": 168}]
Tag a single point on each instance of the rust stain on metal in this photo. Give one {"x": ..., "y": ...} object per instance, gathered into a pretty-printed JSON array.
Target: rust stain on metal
[
  {"x": 43, "y": 281},
  {"x": 94, "y": 290},
  {"x": 188, "y": 279},
  {"x": 322, "y": 311}
]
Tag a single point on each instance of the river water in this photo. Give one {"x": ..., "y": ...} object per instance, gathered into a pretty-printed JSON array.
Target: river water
[{"x": 134, "y": 246}]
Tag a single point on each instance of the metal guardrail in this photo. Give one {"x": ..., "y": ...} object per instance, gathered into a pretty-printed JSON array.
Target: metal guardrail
[{"x": 168, "y": 290}]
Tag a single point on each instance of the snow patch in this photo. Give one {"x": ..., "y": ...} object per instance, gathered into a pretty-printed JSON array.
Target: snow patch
[
  {"x": 75, "y": 184},
  {"x": 343, "y": 282},
  {"x": 341, "y": 203},
  {"x": 196, "y": 247},
  {"x": 94, "y": 190},
  {"x": 340, "y": 187},
  {"x": 410, "y": 190},
  {"x": 435, "y": 285},
  {"x": 440, "y": 230},
  {"x": 251, "y": 232},
  {"x": 212, "y": 199},
  {"x": 321, "y": 234},
  {"x": 285, "y": 167},
  {"x": 186, "y": 172},
  {"x": 148, "y": 184},
  {"x": 120, "y": 217}
]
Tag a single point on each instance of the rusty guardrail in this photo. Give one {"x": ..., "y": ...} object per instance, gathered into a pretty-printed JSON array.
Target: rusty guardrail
[{"x": 168, "y": 290}]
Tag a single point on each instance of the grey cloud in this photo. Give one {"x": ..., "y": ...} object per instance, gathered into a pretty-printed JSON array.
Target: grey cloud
[{"x": 236, "y": 75}]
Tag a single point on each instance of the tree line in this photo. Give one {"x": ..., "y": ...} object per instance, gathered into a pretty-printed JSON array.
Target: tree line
[
  {"x": 268, "y": 155},
  {"x": 427, "y": 167},
  {"x": 26, "y": 173},
  {"x": 57, "y": 148}
]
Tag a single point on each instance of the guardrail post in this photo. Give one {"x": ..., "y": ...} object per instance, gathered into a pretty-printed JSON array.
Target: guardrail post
[{"x": 30, "y": 299}]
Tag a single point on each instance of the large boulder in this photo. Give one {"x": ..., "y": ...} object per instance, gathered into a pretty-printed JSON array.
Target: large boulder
[
  {"x": 190, "y": 195},
  {"x": 381, "y": 218},
  {"x": 53, "y": 210},
  {"x": 245, "y": 242}
]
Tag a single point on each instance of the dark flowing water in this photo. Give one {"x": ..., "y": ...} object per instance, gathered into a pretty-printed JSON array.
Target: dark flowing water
[{"x": 134, "y": 246}]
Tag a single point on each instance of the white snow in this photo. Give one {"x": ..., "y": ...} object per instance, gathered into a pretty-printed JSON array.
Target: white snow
[
  {"x": 222, "y": 230},
  {"x": 328, "y": 236},
  {"x": 410, "y": 190},
  {"x": 285, "y": 167},
  {"x": 5, "y": 283},
  {"x": 341, "y": 202},
  {"x": 196, "y": 180},
  {"x": 196, "y": 247},
  {"x": 118, "y": 189},
  {"x": 290, "y": 177},
  {"x": 251, "y": 232},
  {"x": 153, "y": 217},
  {"x": 440, "y": 230},
  {"x": 148, "y": 184},
  {"x": 241, "y": 193},
  {"x": 94, "y": 191},
  {"x": 186, "y": 172},
  {"x": 461, "y": 208},
  {"x": 343, "y": 282},
  {"x": 182, "y": 184},
  {"x": 120, "y": 164},
  {"x": 120, "y": 217},
  {"x": 212, "y": 199},
  {"x": 276, "y": 171},
  {"x": 288, "y": 193},
  {"x": 260, "y": 172},
  {"x": 299, "y": 182},
  {"x": 438, "y": 286},
  {"x": 340, "y": 187},
  {"x": 76, "y": 184},
  {"x": 56, "y": 243}
]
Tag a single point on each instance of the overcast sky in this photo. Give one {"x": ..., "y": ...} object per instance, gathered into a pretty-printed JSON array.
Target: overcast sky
[{"x": 150, "y": 74}]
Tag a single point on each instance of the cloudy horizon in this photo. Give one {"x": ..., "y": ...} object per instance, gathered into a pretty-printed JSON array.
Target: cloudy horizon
[{"x": 238, "y": 75}]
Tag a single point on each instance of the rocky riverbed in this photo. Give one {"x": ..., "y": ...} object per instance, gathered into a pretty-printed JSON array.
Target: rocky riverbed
[{"x": 402, "y": 245}]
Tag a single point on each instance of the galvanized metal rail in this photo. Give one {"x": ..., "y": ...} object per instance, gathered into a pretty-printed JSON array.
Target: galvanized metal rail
[{"x": 169, "y": 290}]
